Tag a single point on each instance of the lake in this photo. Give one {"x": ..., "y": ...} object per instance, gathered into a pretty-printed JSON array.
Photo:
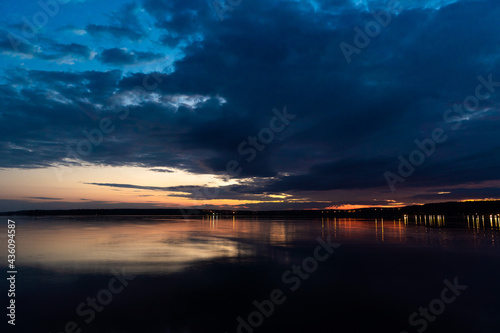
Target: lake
[{"x": 117, "y": 274}]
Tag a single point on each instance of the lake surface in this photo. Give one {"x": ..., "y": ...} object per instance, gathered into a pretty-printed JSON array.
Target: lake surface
[{"x": 223, "y": 274}]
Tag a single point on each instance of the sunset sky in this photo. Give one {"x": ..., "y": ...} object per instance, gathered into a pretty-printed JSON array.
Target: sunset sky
[{"x": 254, "y": 105}]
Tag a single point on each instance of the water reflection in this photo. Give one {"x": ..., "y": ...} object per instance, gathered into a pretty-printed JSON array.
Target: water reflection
[{"x": 159, "y": 245}]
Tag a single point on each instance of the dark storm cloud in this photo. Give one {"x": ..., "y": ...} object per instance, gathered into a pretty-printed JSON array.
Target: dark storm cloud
[{"x": 353, "y": 120}]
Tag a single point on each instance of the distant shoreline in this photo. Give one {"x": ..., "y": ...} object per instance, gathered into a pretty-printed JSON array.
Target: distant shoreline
[{"x": 448, "y": 209}]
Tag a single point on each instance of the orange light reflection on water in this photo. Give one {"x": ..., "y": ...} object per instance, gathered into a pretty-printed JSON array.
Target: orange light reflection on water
[{"x": 166, "y": 244}]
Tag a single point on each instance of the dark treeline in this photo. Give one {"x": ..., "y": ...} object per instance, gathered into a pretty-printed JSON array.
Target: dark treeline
[{"x": 449, "y": 209}]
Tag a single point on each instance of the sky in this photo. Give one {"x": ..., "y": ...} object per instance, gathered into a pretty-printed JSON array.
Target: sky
[{"x": 243, "y": 104}]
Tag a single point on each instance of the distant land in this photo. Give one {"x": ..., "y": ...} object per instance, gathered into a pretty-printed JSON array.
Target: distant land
[{"x": 447, "y": 209}]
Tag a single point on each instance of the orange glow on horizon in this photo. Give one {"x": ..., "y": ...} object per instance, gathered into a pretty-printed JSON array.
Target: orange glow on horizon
[{"x": 349, "y": 207}]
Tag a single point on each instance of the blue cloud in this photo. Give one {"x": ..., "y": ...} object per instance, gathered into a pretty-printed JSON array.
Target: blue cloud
[{"x": 223, "y": 79}]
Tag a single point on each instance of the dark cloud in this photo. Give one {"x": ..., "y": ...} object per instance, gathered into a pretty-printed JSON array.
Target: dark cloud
[
  {"x": 181, "y": 22},
  {"x": 122, "y": 57},
  {"x": 73, "y": 49},
  {"x": 161, "y": 170},
  {"x": 58, "y": 51},
  {"x": 126, "y": 23},
  {"x": 151, "y": 188},
  {"x": 353, "y": 120},
  {"x": 43, "y": 198},
  {"x": 14, "y": 43},
  {"x": 456, "y": 194},
  {"x": 112, "y": 31},
  {"x": 202, "y": 193}
]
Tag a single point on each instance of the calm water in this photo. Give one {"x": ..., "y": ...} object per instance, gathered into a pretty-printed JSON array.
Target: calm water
[{"x": 200, "y": 275}]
